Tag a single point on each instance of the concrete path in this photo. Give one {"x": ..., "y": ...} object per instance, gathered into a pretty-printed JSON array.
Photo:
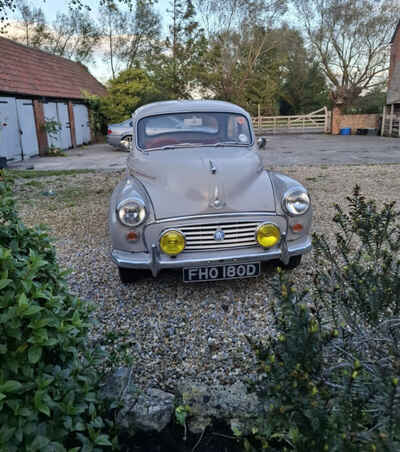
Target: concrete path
[
  {"x": 95, "y": 156},
  {"x": 281, "y": 150}
]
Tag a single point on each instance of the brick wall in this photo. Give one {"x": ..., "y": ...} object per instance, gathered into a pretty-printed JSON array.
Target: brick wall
[
  {"x": 359, "y": 122},
  {"x": 355, "y": 122},
  {"x": 394, "y": 52}
]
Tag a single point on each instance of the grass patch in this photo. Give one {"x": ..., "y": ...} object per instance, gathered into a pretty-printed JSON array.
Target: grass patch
[
  {"x": 34, "y": 183},
  {"x": 33, "y": 174}
]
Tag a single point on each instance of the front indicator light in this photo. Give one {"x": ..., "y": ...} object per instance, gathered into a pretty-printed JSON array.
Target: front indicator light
[
  {"x": 297, "y": 227},
  {"x": 268, "y": 235},
  {"x": 132, "y": 236},
  {"x": 172, "y": 242}
]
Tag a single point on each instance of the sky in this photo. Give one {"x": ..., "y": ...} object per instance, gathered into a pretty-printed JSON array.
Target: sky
[
  {"x": 97, "y": 68},
  {"x": 52, "y": 7}
]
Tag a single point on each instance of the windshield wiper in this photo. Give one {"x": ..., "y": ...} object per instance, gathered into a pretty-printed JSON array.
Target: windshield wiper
[
  {"x": 174, "y": 146},
  {"x": 229, "y": 143}
]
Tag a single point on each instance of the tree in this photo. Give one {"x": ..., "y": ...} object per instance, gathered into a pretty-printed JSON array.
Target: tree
[
  {"x": 111, "y": 22},
  {"x": 370, "y": 103},
  {"x": 303, "y": 86},
  {"x": 129, "y": 35},
  {"x": 350, "y": 39},
  {"x": 33, "y": 22},
  {"x": 141, "y": 30},
  {"x": 242, "y": 64},
  {"x": 73, "y": 36},
  {"x": 7, "y": 6},
  {"x": 178, "y": 59},
  {"x": 131, "y": 89}
]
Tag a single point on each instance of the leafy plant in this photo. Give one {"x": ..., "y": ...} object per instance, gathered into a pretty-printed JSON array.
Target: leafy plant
[
  {"x": 48, "y": 370},
  {"x": 52, "y": 128},
  {"x": 329, "y": 374}
]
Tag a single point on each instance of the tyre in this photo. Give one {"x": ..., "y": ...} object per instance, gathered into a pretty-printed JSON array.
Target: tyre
[
  {"x": 127, "y": 275},
  {"x": 294, "y": 262}
]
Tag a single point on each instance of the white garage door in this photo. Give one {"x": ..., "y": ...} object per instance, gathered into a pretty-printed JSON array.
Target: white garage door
[
  {"x": 58, "y": 112},
  {"x": 82, "y": 127},
  {"x": 63, "y": 119},
  {"x": 51, "y": 118},
  {"x": 10, "y": 146},
  {"x": 27, "y": 126}
]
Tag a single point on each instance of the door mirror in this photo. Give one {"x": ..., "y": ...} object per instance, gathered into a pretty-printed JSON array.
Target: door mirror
[
  {"x": 261, "y": 142},
  {"x": 126, "y": 145}
]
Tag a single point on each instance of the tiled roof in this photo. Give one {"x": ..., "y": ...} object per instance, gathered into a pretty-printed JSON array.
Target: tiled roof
[{"x": 29, "y": 71}]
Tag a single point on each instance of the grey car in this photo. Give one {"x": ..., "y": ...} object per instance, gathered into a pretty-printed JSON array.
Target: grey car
[
  {"x": 196, "y": 197},
  {"x": 118, "y": 132}
]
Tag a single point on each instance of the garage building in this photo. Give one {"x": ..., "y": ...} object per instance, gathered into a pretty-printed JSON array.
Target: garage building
[
  {"x": 42, "y": 101},
  {"x": 391, "y": 112}
]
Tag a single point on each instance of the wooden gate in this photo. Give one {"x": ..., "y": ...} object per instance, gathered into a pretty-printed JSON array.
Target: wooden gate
[{"x": 316, "y": 121}]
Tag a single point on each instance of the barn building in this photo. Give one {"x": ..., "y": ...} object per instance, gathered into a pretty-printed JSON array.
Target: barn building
[
  {"x": 391, "y": 112},
  {"x": 42, "y": 102}
]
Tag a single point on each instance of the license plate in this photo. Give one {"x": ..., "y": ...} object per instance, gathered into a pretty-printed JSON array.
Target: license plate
[{"x": 217, "y": 272}]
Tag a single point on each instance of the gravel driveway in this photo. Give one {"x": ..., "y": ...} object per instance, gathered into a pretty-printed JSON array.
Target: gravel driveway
[
  {"x": 281, "y": 150},
  {"x": 177, "y": 332}
]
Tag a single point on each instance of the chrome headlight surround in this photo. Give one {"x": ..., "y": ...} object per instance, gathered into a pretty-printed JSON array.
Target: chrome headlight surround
[
  {"x": 131, "y": 212},
  {"x": 296, "y": 201}
]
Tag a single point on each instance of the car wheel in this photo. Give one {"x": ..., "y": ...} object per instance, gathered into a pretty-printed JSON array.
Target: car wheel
[
  {"x": 294, "y": 262},
  {"x": 127, "y": 275}
]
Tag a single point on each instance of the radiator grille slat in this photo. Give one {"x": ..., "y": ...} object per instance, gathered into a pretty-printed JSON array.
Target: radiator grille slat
[{"x": 202, "y": 237}]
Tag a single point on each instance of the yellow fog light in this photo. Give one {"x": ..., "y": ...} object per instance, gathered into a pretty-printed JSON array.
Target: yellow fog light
[
  {"x": 172, "y": 242},
  {"x": 268, "y": 235}
]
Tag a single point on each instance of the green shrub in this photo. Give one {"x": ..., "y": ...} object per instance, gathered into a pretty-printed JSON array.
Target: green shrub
[
  {"x": 329, "y": 374},
  {"x": 48, "y": 377}
]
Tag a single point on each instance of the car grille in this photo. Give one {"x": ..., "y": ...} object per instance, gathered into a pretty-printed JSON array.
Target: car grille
[{"x": 202, "y": 237}]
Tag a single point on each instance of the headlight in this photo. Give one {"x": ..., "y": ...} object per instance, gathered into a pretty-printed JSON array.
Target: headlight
[
  {"x": 268, "y": 235},
  {"x": 172, "y": 242},
  {"x": 296, "y": 201},
  {"x": 131, "y": 212}
]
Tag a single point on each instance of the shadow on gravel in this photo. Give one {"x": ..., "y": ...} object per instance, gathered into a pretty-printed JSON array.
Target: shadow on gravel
[
  {"x": 268, "y": 269},
  {"x": 215, "y": 439}
]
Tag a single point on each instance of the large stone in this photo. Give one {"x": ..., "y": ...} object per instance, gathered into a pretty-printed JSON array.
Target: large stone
[
  {"x": 147, "y": 410},
  {"x": 232, "y": 404}
]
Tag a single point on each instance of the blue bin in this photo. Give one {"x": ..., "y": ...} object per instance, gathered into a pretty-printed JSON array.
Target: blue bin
[{"x": 345, "y": 131}]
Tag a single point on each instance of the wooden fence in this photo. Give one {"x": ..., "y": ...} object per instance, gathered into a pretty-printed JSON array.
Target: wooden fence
[{"x": 317, "y": 121}]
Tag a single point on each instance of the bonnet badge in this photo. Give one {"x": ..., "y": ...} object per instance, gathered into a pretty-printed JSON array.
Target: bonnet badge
[{"x": 219, "y": 235}]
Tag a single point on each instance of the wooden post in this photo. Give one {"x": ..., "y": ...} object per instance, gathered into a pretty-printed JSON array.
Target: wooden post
[
  {"x": 72, "y": 123},
  {"x": 326, "y": 120},
  {"x": 391, "y": 120},
  {"x": 274, "y": 124},
  {"x": 259, "y": 118},
  {"x": 383, "y": 120},
  {"x": 40, "y": 124}
]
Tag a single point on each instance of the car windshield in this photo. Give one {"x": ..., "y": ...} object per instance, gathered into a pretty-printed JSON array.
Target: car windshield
[{"x": 193, "y": 129}]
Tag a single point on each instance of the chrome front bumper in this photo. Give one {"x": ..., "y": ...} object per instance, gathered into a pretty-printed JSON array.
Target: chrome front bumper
[{"x": 155, "y": 261}]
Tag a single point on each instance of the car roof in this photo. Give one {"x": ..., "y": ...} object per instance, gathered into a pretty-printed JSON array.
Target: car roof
[{"x": 187, "y": 106}]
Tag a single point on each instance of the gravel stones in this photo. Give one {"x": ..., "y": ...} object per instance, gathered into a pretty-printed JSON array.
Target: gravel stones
[{"x": 176, "y": 332}]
